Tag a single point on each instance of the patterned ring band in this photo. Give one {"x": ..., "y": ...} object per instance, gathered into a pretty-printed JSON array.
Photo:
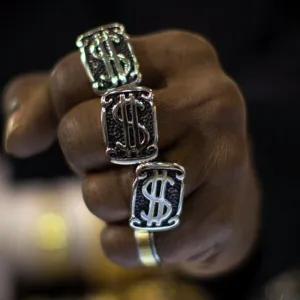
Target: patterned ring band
[{"x": 146, "y": 248}]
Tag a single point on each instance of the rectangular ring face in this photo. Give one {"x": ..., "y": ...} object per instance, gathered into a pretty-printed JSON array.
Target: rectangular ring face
[
  {"x": 157, "y": 196},
  {"x": 108, "y": 57},
  {"x": 129, "y": 125}
]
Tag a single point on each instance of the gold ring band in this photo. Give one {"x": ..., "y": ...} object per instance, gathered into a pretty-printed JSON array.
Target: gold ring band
[{"x": 146, "y": 248}]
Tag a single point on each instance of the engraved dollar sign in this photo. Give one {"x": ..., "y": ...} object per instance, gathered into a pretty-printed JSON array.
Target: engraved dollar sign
[
  {"x": 136, "y": 136},
  {"x": 108, "y": 55},
  {"x": 164, "y": 208}
]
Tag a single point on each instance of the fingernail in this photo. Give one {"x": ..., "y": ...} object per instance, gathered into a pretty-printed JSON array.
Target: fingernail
[{"x": 11, "y": 125}]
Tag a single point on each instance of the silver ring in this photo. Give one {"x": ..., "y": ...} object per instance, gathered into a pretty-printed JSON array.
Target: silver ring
[
  {"x": 157, "y": 196},
  {"x": 129, "y": 125},
  {"x": 146, "y": 248},
  {"x": 108, "y": 58}
]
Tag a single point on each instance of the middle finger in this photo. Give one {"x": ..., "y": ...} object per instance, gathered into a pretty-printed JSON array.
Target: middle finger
[{"x": 81, "y": 137}]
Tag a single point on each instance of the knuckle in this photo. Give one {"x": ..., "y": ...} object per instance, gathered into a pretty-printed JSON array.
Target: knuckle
[
  {"x": 111, "y": 243},
  {"x": 118, "y": 245},
  {"x": 205, "y": 49},
  {"x": 69, "y": 132},
  {"x": 233, "y": 103},
  {"x": 60, "y": 81},
  {"x": 230, "y": 161},
  {"x": 57, "y": 77},
  {"x": 107, "y": 197},
  {"x": 182, "y": 50},
  {"x": 79, "y": 134},
  {"x": 124, "y": 181},
  {"x": 196, "y": 47},
  {"x": 226, "y": 107},
  {"x": 177, "y": 35},
  {"x": 91, "y": 195},
  {"x": 231, "y": 88}
]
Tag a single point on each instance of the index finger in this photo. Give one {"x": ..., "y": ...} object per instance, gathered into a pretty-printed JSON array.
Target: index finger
[{"x": 161, "y": 56}]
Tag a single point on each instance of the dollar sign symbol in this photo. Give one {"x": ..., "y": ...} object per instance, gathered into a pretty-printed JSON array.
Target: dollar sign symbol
[
  {"x": 136, "y": 137},
  {"x": 103, "y": 49},
  {"x": 157, "y": 197}
]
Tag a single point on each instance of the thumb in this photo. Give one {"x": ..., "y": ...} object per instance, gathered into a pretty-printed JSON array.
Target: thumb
[{"x": 30, "y": 119}]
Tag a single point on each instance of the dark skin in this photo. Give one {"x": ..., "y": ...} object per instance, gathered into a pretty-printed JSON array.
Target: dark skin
[{"x": 202, "y": 126}]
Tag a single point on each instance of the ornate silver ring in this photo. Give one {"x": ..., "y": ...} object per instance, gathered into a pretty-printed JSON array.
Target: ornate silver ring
[
  {"x": 157, "y": 196},
  {"x": 108, "y": 58},
  {"x": 129, "y": 125}
]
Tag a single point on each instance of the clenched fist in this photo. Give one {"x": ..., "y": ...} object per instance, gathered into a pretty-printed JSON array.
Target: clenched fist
[{"x": 202, "y": 126}]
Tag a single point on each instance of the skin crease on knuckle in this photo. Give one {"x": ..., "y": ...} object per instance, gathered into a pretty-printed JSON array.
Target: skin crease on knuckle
[
  {"x": 68, "y": 90},
  {"x": 80, "y": 136},
  {"x": 189, "y": 48},
  {"x": 107, "y": 194},
  {"x": 205, "y": 230}
]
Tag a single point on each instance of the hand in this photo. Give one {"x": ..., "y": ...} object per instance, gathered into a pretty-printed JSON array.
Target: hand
[{"x": 202, "y": 126}]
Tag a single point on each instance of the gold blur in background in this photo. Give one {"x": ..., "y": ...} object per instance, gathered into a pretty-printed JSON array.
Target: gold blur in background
[
  {"x": 150, "y": 289},
  {"x": 56, "y": 239}
]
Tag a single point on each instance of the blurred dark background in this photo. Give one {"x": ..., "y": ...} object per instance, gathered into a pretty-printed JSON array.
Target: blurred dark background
[{"x": 259, "y": 45}]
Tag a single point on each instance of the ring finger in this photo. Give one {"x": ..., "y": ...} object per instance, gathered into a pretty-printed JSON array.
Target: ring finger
[
  {"x": 107, "y": 194},
  {"x": 201, "y": 234}
]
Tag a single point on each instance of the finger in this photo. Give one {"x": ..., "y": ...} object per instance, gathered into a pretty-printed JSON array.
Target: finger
[
  {"x": 69, "y": 84},
  {"x": 108, "y": 194},
  {"x": 200, "y": 155},
  {"x": 113, "y": 239},
  {"x": 31, "y": 123},
  {"x": 81, "y": 138},
  {"x": 161, "y": 56},
  {"x": 211, "y": 223},
  {"x": 202, "y": 234},
  {"x": 34, "y": 125},
  {"x": 213, "y": 235}
]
